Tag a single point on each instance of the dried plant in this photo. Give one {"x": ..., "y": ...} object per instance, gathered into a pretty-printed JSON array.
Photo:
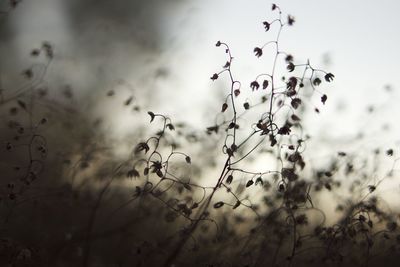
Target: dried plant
[{"x": 86, "y": 207}]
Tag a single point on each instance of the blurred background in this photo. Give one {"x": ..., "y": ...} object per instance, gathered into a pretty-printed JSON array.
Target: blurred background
[
  {"x": 165, "y": 49},
  {"x": 163, "y": 53},
  {"x": 112, "y": 61}
]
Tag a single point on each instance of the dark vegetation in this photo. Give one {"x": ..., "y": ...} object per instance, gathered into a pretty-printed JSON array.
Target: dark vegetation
[{"x": 66, "y": 199}]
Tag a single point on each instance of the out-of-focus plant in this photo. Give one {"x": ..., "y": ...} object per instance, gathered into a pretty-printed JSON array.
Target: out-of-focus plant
[{"x": 264, "y": 206}]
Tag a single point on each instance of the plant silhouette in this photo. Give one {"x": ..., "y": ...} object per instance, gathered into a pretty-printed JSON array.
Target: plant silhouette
[{"x": 67, "y": 199}]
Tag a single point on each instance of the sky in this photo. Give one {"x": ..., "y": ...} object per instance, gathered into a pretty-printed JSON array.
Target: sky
[
  {"x": 165, "y": 50},
  {"x": 359, "y": 37}
]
